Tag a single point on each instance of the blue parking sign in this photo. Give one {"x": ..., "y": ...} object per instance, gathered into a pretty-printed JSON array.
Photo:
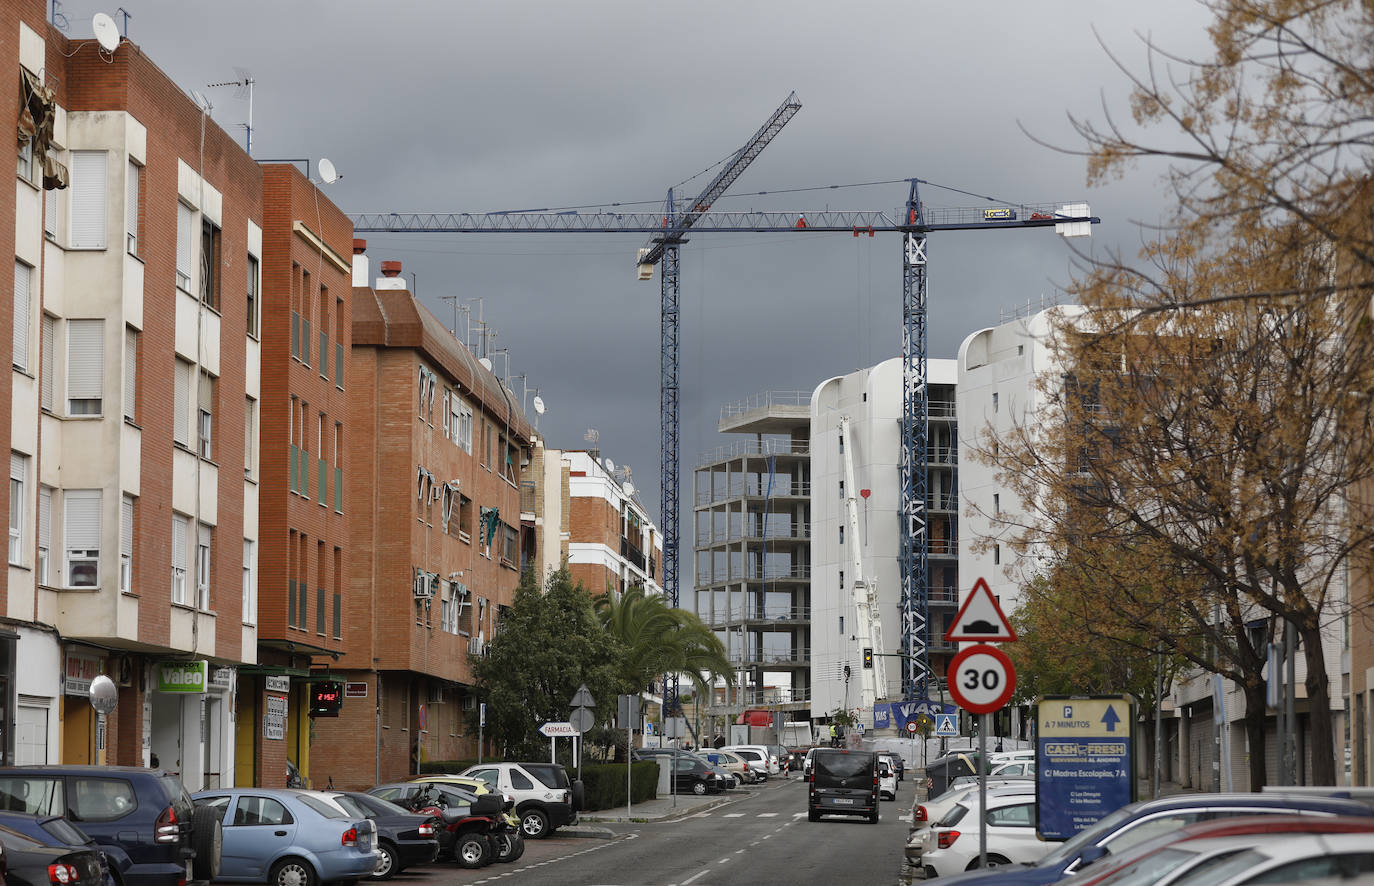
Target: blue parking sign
[{"x": 1085, "y": 761}]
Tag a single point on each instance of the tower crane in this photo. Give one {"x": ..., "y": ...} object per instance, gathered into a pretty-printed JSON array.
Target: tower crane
[{"x": 667, "y": 230}]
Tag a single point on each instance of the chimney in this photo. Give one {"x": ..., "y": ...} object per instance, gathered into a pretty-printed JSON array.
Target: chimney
[
  {"x": 391, "y": 276},
  {"x": 360, "y": 264}
]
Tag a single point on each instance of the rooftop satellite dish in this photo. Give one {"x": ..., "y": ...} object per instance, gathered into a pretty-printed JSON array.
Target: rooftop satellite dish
[
  {"x": 610, "y": 465},
  {"x": 629, "y": 488},
  {"x": 328, "y": 174},
  {"x": 538, "y": 405},
  {"x": 106, "y": 34},
  {"x": 486, "y": 363}
]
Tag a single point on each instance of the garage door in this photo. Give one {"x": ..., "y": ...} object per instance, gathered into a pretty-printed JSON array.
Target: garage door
[{"x": 31, "y": 734}]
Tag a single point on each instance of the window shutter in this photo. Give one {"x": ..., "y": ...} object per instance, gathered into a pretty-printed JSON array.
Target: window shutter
[
  {"x": 184, "y": 245},
  {"x": 50, "y": 213},
  {"x": 81, "y": 508},
  {"x": 126, "y": 526},
  {"x": 130, "y": 372},
  {"x": 131, "y": 207},
  {"x": 44, "y": 517},
  {"x": 88, "y": 200},
  {"x": 179, "y": 529},
  {"x": 18, "y": 467},
  {"x": 23, "y": 275},
  {"x": 85, "y": 359},
  {"x": 181, "y": 392},
  {"x": 45, "y": 381}
]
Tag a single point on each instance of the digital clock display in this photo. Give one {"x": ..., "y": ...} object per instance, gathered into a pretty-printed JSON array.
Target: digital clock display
[{"x": 326, "y": 699}]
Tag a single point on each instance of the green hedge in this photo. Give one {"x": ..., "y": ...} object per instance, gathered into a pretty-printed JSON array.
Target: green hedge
[{"x": 603, "y": 784}]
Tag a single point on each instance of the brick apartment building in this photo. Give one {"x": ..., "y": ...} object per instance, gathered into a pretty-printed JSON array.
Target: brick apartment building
[
  {"x": 132, "y": 347},
  {"x": 434, "y": 452},
  {"x": 297, "y": 482}
]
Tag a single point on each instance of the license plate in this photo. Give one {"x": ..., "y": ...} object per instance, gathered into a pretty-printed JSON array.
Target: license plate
[{"x": 843, "y": 801}]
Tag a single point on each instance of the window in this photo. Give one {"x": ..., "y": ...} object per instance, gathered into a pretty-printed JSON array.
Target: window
[
  {"x": 19, "y": 471},
  {"x": 994, "y": 401},
  {"x": 338, "y": 467},
  {"x": 50, "y": 212},
  {"x": 25, "y": 166},
  {"x": 185, "y": 245},
  {"x": 203, "y": 567},
  {"x": 87, "y": 192},
  {"x": 131, "y": 206},
  {"x": 841, "y": 533},
  {"x": 250, "y": 584},
  {"x": 996, "y": 504},
  {"x": 209, "y": 264},
  {"x": 45, "y": 372},
  {"x": 23, "y": 280},
  {"x": 130, "y": 373},
  {"x": 250, "y": 438},
  {"x": 205, "y": 423},
  {"x": 260, "y": 811},
  {"x": 252, "y": 299},
  {"x": 338, "y": 343},
  {"x": 306, "y": 300},
  {"x": 85, "y": 367},
  {"x": 996, "y": 555},
  {"x": 44, "y": 534},
  {"x": 462, "y": 432},
  {"x": 126, "y": 544},
  {"x": 338, "y": 593},
  {"x": 81, "y": 535},
  {"x": 446, "y": 412},
  {"x": 181, "y": 528},
  {"x": 181, "y": 397},
  {"x": 464, "y": 516},
  {"x": 101, "y": 799}
]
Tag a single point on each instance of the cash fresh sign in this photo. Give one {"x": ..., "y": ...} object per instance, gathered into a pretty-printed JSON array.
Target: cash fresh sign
[{"x": 182, "y": 676}]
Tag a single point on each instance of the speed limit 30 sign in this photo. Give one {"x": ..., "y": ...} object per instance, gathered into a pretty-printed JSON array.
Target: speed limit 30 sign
[{"x": 981, "y": 678}]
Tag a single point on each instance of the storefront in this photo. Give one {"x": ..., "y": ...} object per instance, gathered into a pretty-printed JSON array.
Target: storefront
[
  {"x": 37, "y": 693},
  {"x": 82, "y": 739},
  {"x": 189, "y": 716}
]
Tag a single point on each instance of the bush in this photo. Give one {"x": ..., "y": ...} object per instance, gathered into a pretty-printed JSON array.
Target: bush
[{"x": 603, "y": 784}]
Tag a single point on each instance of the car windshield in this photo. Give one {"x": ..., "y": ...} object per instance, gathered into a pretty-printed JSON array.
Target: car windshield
[
  {"x": 1149, "y": 869},
  {"x": 65, "y": 832},
  {"x": 350, "y": 805},
  {"x": 842, "y": 765},
  {"x": 1219, "y": 869},
  {"x": 322, "y": 806},
  {"x": 380, "y": 805},
  {"x": 1075, "y": 844}
]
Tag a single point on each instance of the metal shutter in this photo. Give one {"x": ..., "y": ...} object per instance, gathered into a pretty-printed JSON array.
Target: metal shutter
[
  {"x": 185, "y": 231},
  {"x": 23, "y": 275},
  {"x": 88, "y": 200},
  {"x": 130, "y": 371},
  {"x": 85, "y": 359},
  {"x": 44, "y": 517},
  {"x": 179, "y": 530},
  {"x": 181, "y": 393},
  {"x": 131, "y": 206},
  {"x": 126, "y": 526},
  {"x": 45, "y": 379},
  {"x": 81, "y": 508}
]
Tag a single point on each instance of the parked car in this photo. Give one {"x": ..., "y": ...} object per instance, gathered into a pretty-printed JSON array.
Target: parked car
[
  {"x": 1171, "y": 852},
  {"x": 887, "y": 779},
  {"x": 37, "y": 857},
  {"x": 471, "y": 820},
  {"x": 783, "y": 755},
  {"x": 739, "y": 767},
  {"x": 925, "y": 815},
  {"x": 142, "y": 819},
  {"x": 971, "y": 781},
  {"x": 693, "y": 775},
  {"x": 1136, "y": 823},
  {"x": 806, "y": 762},
  {"x": 404, "y": 838},
  {"x": 545, "y": 798},
  {"x": 289, "y": 837},
  {"x": 1026, "y": 755},
  {"x": 1297, "y": 858},
  {"x": 942, "y": 771},
  {"x": 758, "y": 757},
  {"x": 951, "y": 845},
  {"x": 724, "y": 777},
  {"x": 1016, "y": 767},
  {"x": 843, "y": 782}
]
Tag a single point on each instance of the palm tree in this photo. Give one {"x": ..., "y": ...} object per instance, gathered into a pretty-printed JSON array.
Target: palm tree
[{"x": 660, "y": 639}]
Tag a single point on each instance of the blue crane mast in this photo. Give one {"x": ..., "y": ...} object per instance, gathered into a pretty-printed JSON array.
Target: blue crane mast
[{"x": 668, "y": 230}]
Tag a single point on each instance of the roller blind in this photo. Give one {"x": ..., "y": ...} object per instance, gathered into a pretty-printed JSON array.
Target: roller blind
[
  {"x": 88, "y": 200},
  {"x": 44, "y": 517},
  {"x": 180, "y": 528},
  {"x": 130, "y": 372},
  {"x": 126, "y": 526},
  {"x": 81, "y": 509},
  {"x": 45, "y": 380},
  {"x": 85, "y": 359},
  {"x": 185, "y": 245},
  {"x": 181, "y": 392},
  {"x": 23, "y": 274}
]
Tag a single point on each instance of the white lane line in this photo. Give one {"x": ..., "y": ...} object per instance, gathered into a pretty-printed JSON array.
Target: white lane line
[
  {"x": 768, "y": 815},
  {"x": 734, "y": 815},
  {"x": 702, "y": 815},
  {"x": 695, "y": 876},
  {"x": 739, "y": 851}
]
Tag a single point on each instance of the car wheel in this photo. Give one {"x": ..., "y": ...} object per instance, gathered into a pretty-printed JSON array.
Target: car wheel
[
  {"x": 994, "y": 861},
  {"x": 699, "y": 787},
  {"x": 873, "y": 817},
  {"x": 292, "y": 872},
  {"x": 534, "y": 823},
  {"x": 207, "y": 837},
  {"x": 509, "y": 846},
  {"x": 472, "y": 851},
  {"x": 579, "y": 796},
  {"x": 387, "y": 865}
]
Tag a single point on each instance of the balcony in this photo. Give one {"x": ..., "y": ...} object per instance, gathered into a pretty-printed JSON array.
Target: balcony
[
  {"x": 750, "y": 487},
  {"x": 800, "y": 532},
  {"x": 632, "y": 554},
  {"x": 742, "y": 448},
  {"x": 800, "y": 657}
]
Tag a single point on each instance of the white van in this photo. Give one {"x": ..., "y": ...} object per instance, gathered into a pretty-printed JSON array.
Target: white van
[{"x": 759, "y": 758}]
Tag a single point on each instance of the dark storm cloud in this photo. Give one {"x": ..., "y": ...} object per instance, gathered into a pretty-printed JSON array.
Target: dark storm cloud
[{"x": 448, "y": 106}]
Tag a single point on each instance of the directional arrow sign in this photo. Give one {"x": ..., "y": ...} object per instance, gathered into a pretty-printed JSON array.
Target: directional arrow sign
[
  {"x": 1110, "y": 719},
  {"x": 1085, "y": 761},
  {"x": 559, "y": 730}
]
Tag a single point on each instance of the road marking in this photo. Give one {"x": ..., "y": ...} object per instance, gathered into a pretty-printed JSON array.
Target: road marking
[
  {"x": 768, "y": 815},
  {"x": 734, "y": 815},
  {"x": 695, "y": 876},
  {"x": 724, "y": 860},
  {"x": 798, "y": 814}
]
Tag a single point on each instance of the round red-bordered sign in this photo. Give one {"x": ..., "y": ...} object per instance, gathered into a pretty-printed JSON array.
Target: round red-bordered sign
[{"x": 981, "y": 678}]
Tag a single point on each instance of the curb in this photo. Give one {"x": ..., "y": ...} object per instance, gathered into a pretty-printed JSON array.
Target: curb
[
  {"x": 671, "y": 816},
  {"x": 585, "y": 833}
]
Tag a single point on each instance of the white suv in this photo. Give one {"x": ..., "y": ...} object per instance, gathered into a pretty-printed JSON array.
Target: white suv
[
  {"x": 759, "y": 757},
  {"x": 545, "y": 798}
]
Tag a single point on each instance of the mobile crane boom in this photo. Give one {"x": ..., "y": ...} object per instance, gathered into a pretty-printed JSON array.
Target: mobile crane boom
[{"x": 869, "y": 633}]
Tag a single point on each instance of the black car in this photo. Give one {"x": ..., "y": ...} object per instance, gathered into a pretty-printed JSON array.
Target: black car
[
  {"x": 143, "y": 819},
  {"x": 724, "y": 778},
  {"x": 32, "y": 860},
  {"x": 842, "y": 783},
  {"x": 695, "y": 775},
  {"x": 941, "y": 772},
  {"x": 404, "y": 838},
  {"x": 411, "y": 794}
]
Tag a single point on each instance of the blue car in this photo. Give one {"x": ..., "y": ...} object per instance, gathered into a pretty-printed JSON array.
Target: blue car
[
  {"x": 1138, "y": 822},
  {"x": 288, "y": 837}
]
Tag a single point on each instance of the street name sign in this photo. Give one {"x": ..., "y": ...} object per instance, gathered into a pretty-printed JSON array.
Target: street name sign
[{"x": 1085, "y": 761}]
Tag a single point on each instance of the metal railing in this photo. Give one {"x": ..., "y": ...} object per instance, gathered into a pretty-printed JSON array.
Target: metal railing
[
  {"x": 777, "y": 446},
  {"x": 756, "y": 487},
  {"x": 763, "y": 400},
  {"x": 798, "y": 533},
  {"x": 754, "y": 658},
  {"x": 737, "y": 614},
  {"x": 767, "y": 695}
]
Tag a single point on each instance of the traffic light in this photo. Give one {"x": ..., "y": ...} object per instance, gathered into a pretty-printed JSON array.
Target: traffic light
[{"x": 868, "y": 656}]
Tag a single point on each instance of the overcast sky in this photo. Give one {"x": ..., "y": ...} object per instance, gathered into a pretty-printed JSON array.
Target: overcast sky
[{"x": 463, "y": 106}]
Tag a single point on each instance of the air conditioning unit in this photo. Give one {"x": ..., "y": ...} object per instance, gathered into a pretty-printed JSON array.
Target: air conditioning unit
[
  {"x": 436, "y": 693},
  {"x": 477, "y": 646},
  {"x": 421, "y": 585},
  {"x": 469, "y": 702}
]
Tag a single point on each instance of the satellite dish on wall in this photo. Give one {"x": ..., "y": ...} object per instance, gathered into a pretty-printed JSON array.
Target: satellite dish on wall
[
  {"x": 610, "y": 465},
  {"x": 106, "y": 34},
  {"x": 328, "y": 174},
  {"x": 486, "y": 363},
  {"x": 538, "y": 404},
  {"x": 629, "y": 488}
]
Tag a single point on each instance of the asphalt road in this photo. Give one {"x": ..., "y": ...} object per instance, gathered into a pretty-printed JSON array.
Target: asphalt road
[{"x": 761, "y": 839}]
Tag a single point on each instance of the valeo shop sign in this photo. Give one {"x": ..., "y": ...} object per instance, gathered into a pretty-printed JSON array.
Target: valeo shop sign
[{"x": 182, "y": 676}]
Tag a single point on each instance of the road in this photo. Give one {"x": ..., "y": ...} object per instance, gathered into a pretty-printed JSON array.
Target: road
[{"x": 761, "y": 839}]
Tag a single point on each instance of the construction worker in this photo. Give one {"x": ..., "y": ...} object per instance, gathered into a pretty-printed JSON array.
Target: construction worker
[{"x": 834, "y": 736}]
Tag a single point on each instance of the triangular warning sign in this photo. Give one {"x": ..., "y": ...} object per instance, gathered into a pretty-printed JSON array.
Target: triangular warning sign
[{"x": 980, "y": 619}]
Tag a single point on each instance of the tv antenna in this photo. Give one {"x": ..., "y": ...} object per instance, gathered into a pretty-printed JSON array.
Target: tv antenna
[{"x": 245, "y": 90}]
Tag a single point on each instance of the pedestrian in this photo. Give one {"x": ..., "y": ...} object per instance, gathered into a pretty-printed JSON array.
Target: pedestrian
[{"x": 834, "y": 736}]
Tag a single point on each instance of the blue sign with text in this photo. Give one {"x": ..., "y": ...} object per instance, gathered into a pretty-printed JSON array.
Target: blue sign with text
[
  {"x": 1084, "y": 762},
  {"x": 898, "y": 713}
]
